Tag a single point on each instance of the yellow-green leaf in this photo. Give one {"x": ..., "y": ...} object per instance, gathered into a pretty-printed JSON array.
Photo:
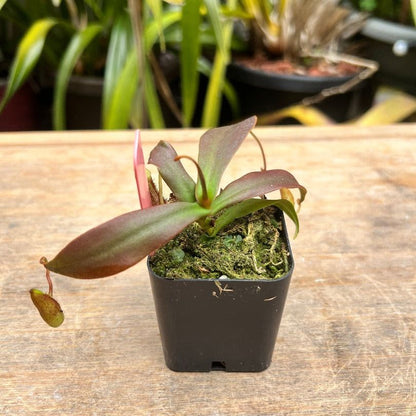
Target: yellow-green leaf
[
  {"x": 393, "y": 109},
  {"x": 309, "y": 116},
  {"x": 27, "y": 56},
  {"x": 74, "y": 50}
]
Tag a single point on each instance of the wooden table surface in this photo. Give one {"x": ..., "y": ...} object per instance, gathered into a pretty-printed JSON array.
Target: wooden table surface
[{"x": 347, "y": 342}]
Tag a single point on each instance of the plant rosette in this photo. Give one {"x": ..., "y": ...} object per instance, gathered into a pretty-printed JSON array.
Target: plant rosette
[{"x": 235, "y": 215}]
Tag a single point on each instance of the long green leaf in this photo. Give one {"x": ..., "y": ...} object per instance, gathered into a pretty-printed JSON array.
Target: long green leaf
[
  {"x": 212, "y": 104},
  {"x": 173, "y": 173},
  {"x": 189, "y": 54},
  {"x": 121, "y": 99},
  {"x": 251, "y": 205},
  {"x": 216, "y": 149},
  {"x": 157, "y": 11},
  {"x": 255, "y": 184},
  {"x": 123, "y": 241},
  {"x": 28, "y": 53},
  {"x": 121, "y": 42},
  {"x": 204, "y": 67},
  {"x": 214, "y": 13},
  {"x": 151, "y": 32},
  {"x": 153, "y": 108},
  {"x": 74, "y": 50},
  {"x": 2, "y": 3},
  {"x": 123, "y": 95}
]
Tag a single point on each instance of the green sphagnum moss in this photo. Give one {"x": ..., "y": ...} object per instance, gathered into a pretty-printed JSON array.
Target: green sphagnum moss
[{"x": 249, "y": 248}]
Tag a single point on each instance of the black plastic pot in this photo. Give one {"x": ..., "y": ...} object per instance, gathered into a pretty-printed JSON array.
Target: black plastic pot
[
  {"x": 393, "y": 46},
  {"x": 84, "y": 102},
  {"x": 261, "y": 92},
  {"x": 228, "y": 325}
]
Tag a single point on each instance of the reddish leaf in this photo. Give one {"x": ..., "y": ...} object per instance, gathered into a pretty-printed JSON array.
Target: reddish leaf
[
  {"x": 216, "y": 149},
  {"x": 173, "y": 173},
  {"x": 123, "y": 241},
  {"x": 255, "y": 184},
  {"x": 140, "y": 174}
]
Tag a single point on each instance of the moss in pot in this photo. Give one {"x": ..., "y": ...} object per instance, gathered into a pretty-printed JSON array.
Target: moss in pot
[{"x": 203, "y": 210}]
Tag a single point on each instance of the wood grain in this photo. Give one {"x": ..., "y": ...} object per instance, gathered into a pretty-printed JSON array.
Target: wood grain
[{"x": 347, "y": 343}]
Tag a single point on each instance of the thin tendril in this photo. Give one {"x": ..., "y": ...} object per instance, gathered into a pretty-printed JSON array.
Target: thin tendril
[
  {"x": 263, "y": 155},
  {"x": 43, "y": 261},
  {"x": 205, "y": 200}
]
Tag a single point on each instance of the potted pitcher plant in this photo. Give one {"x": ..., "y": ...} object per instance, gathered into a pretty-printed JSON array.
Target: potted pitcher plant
[{"x": 219, "y": 259}]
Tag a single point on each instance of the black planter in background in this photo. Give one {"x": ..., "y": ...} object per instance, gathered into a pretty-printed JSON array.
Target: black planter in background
[
  {"x": 83, "y": 103},
  {"x": 261, "y": 92},
  {"x": 393, "y": 46}
]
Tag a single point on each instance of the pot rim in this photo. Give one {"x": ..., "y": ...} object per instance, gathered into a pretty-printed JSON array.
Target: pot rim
[
  {"x": 284, "y": 82},
  {"x": 386, "y": 31}
]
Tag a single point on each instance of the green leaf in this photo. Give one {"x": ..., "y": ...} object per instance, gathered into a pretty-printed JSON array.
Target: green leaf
[
  {"x": 216, "y": 149},
  {"x": 119, "y": 106},
  {"x": 205, "y": 67},
  {"x": 213, "y": 8},
  {"x": 48, "y": 307},
  {"x": 212, "y": 104},
  {"x": 157, "y": 11},
  {"x": 123, "y": 241},
  {"x": 151, "y": 32},
  {"x": 154, "y": 110},
  {"x": 255, "y": 184},
  {"x": 189, "y": 54},
  {"x": 251, "y": 205},
  {"x": 173, "y": 173},
  {"x": 27, "y": 56},
  {"x": 2, "y": 3},
  {"x": 120, "y": 100},
  {"x": 121, "y": 42},
  {"x": 73, "y": 52}
]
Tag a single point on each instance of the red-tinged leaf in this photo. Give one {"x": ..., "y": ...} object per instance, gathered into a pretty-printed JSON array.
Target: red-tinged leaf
[
  {"x": 48, "y": 307},
  {"x": 216, "y": 149},
  {"x": 173, "y": 173},
  {"x": 140, "y": 174},
  {"x": 123, "y": 241},
  {"x": 251, "y": 205},
  {"x": 255, "y": 184}
]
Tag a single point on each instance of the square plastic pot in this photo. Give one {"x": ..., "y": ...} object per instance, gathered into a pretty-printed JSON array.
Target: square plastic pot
[{"x": 228, "y": 324}]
